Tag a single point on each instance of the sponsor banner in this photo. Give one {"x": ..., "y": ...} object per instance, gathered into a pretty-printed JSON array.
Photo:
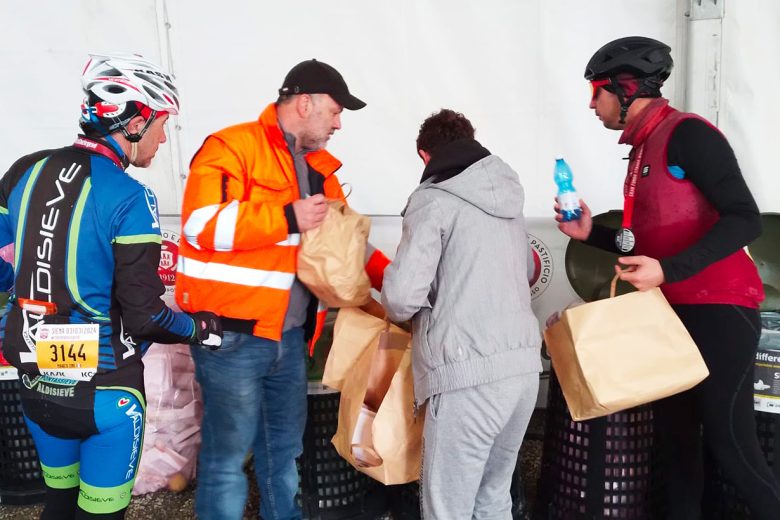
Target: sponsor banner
[{"x": 766, "y": 380}]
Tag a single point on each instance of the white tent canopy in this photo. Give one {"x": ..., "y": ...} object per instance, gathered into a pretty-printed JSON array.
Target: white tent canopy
[{"x": 513, "y": 67}]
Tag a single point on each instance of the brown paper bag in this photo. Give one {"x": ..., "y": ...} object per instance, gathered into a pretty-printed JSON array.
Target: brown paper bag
[
  {"x": 353, "y": 331},
  {"x": 614, "y": 354},
  {"x": 331, "y": 259},
  {"x": 380, "y": 374}
]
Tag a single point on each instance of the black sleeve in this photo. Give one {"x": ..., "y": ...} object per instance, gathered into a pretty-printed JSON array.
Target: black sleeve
[
  {"x": 138, "y": 289},
  {"x": 709, "y": 162},
  {"x": 603, "y": 237}
]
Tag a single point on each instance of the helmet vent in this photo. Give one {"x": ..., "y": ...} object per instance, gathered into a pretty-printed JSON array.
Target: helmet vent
[
  {"x": 152, "y": 94},
  {"x": 151, "y": 79}
]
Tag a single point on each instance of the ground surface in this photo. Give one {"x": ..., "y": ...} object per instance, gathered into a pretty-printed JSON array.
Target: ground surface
[{"x": 166, "y": 505}]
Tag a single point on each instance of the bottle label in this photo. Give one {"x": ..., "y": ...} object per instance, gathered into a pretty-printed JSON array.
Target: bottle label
[
  {"x": 568, "y": 201},
  {"x": 569, "y": 205}
]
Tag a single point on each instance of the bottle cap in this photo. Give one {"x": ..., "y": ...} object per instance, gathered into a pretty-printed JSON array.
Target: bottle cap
[{"x": 558, "y": 157}]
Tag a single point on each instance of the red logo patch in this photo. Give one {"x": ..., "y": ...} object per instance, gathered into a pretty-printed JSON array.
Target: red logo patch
[
  {"x": 169, "y": 259},
  {"x": 543, "y": 266}
]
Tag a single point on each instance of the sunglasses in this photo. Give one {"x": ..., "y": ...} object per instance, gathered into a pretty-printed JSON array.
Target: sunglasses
[{"x": 596, "y": 84}]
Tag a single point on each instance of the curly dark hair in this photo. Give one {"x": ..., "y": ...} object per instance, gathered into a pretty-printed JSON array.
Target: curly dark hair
[{"x": 443, "y": 127}]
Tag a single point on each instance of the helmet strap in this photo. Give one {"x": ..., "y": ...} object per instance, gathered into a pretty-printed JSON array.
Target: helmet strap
[
  {"x": 134, "y": 138},
  {"x": 133, "y": 151},
  {"x": 621, "y": 95},
  {"x": 648, "y": 85}
]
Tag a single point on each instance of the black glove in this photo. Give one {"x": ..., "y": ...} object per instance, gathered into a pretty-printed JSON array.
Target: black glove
[{"x": 208, "y": 330}]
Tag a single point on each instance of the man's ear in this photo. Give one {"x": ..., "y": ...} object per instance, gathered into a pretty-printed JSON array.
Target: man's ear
[
  {"x": 425, "y": 156},
  {"x": 303, "y": 105},
  {"x": 136, "y": 124}
]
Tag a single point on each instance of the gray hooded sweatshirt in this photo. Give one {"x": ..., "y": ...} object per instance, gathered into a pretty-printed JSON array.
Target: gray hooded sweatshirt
[{"x": 460, "y": 274}]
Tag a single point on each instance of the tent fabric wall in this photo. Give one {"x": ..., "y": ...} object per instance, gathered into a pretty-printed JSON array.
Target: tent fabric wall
[
  {"x": 732, "y": 81},
  {"x": 750, "y": 82},
  {"x": 514, "y": 67},
  {"x": 43, "y": 48}
]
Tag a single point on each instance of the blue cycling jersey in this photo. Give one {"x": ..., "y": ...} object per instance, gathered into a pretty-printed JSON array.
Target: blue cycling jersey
[{"x": 86, "y": 298}]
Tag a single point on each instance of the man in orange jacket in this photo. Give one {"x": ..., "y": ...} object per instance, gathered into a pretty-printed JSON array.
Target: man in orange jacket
[{"x": 252, "y": 189}]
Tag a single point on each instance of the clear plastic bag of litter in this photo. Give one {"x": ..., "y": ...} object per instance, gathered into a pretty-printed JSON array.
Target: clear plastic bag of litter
[{"x": 173, "y": 416}]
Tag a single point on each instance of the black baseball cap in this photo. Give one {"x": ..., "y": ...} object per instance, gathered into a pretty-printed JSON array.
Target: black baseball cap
[{"x": 316, "y": 77}]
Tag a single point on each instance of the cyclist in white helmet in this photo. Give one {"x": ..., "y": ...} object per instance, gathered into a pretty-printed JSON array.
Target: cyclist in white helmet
[
  {"x": 86, "y": 303},
  {"x": 131, "y": 96}
]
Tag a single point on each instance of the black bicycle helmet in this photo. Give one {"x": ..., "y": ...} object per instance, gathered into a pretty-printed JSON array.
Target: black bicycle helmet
[
  {"x": 636, "y": 55},
  {"x": 646, "y": 59}
]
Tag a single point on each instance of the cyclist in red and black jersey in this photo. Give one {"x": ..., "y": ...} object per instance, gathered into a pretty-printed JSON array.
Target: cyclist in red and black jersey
[{"x": 688, "y": 214}]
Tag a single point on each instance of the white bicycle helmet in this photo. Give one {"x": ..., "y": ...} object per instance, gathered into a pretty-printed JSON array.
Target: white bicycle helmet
[{"x": 120, "y": 86}]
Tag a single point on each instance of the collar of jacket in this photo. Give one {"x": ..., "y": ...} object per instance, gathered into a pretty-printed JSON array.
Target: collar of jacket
[
  {"x": 321, "y": 160},
  {"x": 645, "y": 122},
  {"x": 448, "y": 160}
]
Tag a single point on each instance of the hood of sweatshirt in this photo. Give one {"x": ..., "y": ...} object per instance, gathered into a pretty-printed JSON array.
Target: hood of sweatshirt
[{"x": 467, "y": 170}]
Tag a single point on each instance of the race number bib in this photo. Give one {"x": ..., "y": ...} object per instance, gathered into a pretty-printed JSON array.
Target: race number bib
[{"x": 68, "y": 351}]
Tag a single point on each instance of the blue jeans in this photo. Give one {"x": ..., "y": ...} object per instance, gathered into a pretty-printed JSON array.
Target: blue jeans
[{"x": 254, "y": 397}]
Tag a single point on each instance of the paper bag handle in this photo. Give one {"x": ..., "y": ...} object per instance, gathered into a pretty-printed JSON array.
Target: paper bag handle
[{"x": 613, "y": 285}]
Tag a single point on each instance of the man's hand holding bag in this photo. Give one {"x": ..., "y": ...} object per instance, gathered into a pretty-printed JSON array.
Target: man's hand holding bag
[{"x": 331, "y": 259}]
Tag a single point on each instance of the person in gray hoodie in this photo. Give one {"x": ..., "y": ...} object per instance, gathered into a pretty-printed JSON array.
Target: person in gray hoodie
[{"x": 460, "y": 275}]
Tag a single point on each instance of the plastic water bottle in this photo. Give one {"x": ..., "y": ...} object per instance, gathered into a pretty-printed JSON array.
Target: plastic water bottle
[{"x": 568, "y": 201}]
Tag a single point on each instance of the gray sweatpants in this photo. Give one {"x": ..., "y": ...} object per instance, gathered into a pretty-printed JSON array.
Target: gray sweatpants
[{"x": 471, "y": 440}]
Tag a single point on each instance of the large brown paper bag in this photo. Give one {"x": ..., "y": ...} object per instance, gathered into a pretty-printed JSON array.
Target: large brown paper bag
[
  {"x": 614, "y": 354},
  {"x": 331, "y": 259},
  {"x": 380, "y": 376},
  {"x": 353, "y": 331}
]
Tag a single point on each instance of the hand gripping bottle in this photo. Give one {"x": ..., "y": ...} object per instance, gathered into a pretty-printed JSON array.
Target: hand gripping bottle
[{"x": 568, "y": 201}]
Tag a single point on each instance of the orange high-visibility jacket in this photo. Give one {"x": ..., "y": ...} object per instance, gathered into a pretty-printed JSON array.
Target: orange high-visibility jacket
[{"x": 237, "y": 257}]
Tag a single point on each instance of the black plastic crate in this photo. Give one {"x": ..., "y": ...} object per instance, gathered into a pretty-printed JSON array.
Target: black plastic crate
[
  {"x": 330, "y": 487},
  {"x": 599, "y": 468},
  {"x": 20, "y": 472}
]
